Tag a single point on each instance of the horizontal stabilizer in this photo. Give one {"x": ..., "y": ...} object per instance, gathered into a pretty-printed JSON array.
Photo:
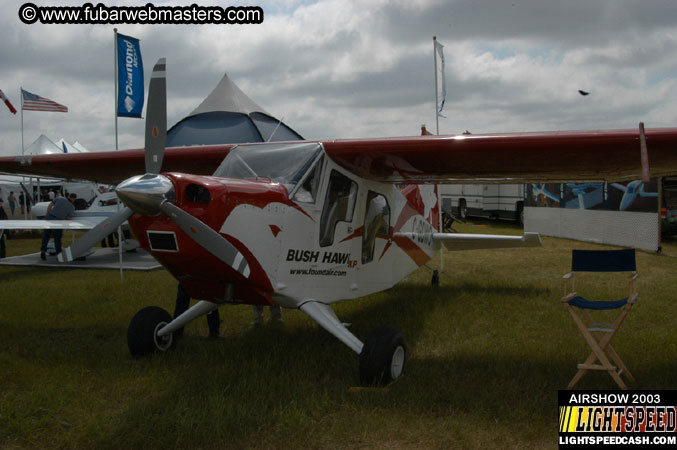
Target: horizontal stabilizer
[{"x": 460, "y": 241}]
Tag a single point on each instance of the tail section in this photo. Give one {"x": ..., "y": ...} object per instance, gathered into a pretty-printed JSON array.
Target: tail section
[{"x": 424, "y": 199}]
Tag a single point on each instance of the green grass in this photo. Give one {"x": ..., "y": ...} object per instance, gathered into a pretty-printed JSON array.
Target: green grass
[{"x": 487, "y": 353}]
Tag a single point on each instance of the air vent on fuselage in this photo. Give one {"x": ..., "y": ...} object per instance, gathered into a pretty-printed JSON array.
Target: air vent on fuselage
[
  {"x": 198, "y": 194},
  {"x": 163, "y": 241}
]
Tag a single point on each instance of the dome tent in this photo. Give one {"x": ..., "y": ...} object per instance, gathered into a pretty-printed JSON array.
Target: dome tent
[{"x": 228, "y": 116}]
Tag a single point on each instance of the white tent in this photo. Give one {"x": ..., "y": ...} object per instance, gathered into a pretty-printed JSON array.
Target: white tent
[
  {"x": 81, "y": 148},
  {"x": 43, "y": 146},
  {"x": 71, "y": 148}
]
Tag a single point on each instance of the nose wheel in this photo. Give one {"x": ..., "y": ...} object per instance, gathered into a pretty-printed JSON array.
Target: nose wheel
[
  {"x": 383, "y": 357},
  {"x": 142, "y": 337}
]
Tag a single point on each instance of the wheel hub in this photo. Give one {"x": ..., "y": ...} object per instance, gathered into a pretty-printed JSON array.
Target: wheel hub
[
  {"x": 162, "y": 343},
  {"x": 397, "y": 363}
]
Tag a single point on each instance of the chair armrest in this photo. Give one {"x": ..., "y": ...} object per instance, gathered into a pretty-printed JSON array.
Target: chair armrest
[
  {"x": 568, "y": 297},
  {"x": 566, "y": 279}
]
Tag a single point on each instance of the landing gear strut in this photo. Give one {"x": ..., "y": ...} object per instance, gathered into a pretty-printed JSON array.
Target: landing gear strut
[{"x": 382, "y": 356}]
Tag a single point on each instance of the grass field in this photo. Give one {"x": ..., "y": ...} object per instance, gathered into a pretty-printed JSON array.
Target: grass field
[{"x": 487, "y": 353}]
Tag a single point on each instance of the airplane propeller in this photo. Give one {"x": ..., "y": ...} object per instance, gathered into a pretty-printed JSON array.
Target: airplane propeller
[
  {"x": 156, "y": 137},
  {"x": 152, "y": 193}
]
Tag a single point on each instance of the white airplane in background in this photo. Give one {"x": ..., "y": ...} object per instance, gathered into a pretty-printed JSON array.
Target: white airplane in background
[
  {"x": 104, "y": 205},
  {"x": 306, "y": 224}
]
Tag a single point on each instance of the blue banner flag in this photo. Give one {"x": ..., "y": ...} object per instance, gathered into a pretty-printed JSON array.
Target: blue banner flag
[{"x": 130, "y": 77}]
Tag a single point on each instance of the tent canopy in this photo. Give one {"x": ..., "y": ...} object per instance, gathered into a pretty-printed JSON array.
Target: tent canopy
[
  {"x": 43, "y": 146},
  {"x": 228, "y": 116}
]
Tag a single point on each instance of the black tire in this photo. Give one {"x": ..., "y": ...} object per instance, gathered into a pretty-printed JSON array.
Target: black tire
[
  {"x": 383, "y": 357},
  {"x": 462, "y": 210},
  {"x": 142, "y": 338}
]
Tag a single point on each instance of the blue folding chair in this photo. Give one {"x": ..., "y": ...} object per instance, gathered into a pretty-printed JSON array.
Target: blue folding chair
[{"x": 599, "y": 335}]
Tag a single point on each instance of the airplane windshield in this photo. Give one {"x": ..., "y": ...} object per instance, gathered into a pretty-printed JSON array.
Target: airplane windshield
[{"x": 283, "y": 163}]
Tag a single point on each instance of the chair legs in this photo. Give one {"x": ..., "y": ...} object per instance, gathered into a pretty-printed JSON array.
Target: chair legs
[{"x": 598, "y": 353}]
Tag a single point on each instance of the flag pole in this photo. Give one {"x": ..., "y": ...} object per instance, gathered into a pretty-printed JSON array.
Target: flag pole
[
  {"x": 437, "y": 116},
  {"x": 115, "y": 82},
  {"x": 21, "y": 93},
  {"x": 437, "y": 131}
]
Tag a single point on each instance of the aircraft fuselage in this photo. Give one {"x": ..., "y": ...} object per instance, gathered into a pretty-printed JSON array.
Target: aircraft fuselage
[{"x": 332, "y": 236}]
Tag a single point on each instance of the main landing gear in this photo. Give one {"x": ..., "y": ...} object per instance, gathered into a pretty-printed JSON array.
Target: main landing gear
[
  {"x": 152, "y": 329},
  {"x": 142, "y": 334},
  {"x": 382, "y": 356}
]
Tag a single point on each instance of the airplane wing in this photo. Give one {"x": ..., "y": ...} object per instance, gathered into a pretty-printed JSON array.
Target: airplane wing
[
  {"x": 82, "y": 223},
  {"x": 513, "y": 158},
  {"x": 113, "y": 167},
  {"x": 506, "y": 158}
]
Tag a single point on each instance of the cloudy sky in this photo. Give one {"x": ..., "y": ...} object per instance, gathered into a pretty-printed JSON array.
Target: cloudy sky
[{"x": 363, "y": 68}]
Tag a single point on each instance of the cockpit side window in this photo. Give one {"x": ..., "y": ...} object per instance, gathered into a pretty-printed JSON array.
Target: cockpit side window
[
  {"x": 376, "y": 222},
  {"x": 339, "y": 205}
]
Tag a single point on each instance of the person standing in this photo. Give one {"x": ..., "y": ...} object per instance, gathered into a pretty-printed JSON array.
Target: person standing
[
  {"x": 182, "y": 303},
  {"x": 3, "y": 216},
  {"x": 275, "y": 314},
  {"x": 12, "y": 202},
  {"x": 22, "y": 202},
  {"x": 59, "y": 209}
]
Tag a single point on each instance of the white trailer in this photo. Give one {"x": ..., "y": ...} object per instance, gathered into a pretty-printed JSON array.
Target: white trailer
[{"x": 495, "y": 201}]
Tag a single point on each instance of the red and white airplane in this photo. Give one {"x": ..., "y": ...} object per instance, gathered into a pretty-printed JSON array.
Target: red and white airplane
[{"x": 306, "y": 224}]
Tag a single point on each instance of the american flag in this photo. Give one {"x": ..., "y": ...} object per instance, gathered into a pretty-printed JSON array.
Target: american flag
[{"x": 32, "y": 102}]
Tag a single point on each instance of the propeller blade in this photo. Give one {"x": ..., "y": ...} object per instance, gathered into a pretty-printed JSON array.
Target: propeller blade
[
  {"x": 156, "y": 139},
  {"x": 156, "y": 118},
  {"x": 94, "y": 236},
  {"x": 207, "y": 238}
]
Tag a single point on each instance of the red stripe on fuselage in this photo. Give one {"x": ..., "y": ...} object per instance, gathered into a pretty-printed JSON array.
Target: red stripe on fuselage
[{"x": 415, "y": 252}]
